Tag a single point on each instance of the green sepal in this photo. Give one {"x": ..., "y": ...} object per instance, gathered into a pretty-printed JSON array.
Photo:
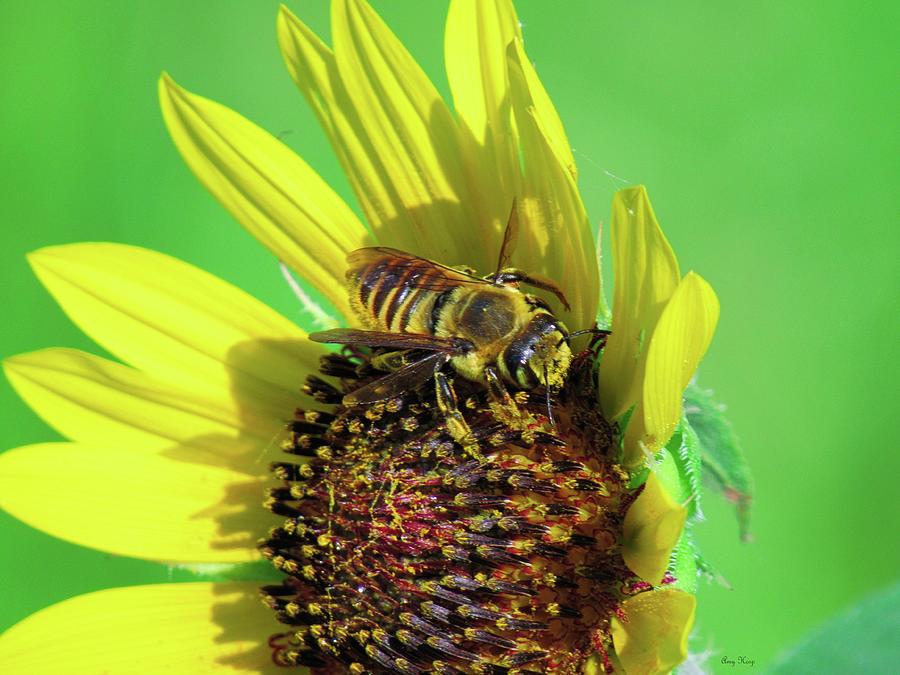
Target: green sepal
[
  {"x": 678, "y": 468},
  {"x": 638, "y": 478},
  {"x": 684, "y": 450},
  {"x": 260, "y": 570},
  {"x": 669, "y": 473},
  {"x": 725, "y": 469},
  {"x": 684, "y": 564}
]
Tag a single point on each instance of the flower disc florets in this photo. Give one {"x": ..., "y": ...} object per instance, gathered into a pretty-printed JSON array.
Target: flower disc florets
[{"x": 406, "y": 552}]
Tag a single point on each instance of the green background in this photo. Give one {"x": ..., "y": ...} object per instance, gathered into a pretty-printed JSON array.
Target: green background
[{"x": 765, "y": 131}]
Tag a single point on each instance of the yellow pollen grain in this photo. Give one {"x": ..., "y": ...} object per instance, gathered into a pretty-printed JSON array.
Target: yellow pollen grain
[{"x": 327, "y": 647}]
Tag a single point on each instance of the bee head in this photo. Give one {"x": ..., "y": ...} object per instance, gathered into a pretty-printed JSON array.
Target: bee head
[
  {"x": 539, "y": 354},
  {"x": 551, "y": 360}
]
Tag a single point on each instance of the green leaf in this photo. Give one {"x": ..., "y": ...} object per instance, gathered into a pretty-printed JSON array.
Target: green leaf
[
  {"x": 862, "y": 639},
  {"x": 725, "y": 469}
]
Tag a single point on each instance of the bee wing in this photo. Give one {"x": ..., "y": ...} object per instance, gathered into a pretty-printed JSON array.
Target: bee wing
[
  {"x": 415, "y": 271},
  {"x": 408, "y": 377},
  {"x": 375, "y": 338}
]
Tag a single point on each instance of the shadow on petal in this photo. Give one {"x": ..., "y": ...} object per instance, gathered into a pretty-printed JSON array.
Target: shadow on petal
[
  {"x": 246, "y": 626},
  {"x": 239, "y": 516},
  {"x": 196, "y": 627},
  {"x": 442, "y": 244},
  {"x": 262, "y": 410}
]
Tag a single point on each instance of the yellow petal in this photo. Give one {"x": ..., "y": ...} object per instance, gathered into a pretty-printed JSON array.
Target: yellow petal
[
  {"x": 652, "y": 526},
  {"x": 179, "y": 323},
  {"x": 311, "y": 64},
  {"x": 135, "y": 503},
  {"x": 594, "y": 665},
  {"x": 164, "y": 628},
  {"x": 411, "y": 130},
  {"x": 435, "y": 229},
  {"x": 545, "y": 113},
  {"x": 93, "y": 400},
  {"x": 679, "y": 341},
  {"x": 653, "y": 638},
  {"x": 476, "y": 38},
  {"x": 557, "y": 240},
  {"x": 475, "y": 42},
  {"x": 646, "y": 274},
  {"x": 267, "y": 188}
]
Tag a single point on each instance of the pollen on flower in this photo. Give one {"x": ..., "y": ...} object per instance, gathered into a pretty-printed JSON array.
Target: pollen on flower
[{"x": 405, "y": 552}]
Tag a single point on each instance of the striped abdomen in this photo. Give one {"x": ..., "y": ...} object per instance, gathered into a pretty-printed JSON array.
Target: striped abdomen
[{"x": 396, "y": 292}]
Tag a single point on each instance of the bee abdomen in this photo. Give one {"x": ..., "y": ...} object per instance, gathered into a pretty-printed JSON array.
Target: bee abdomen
[{"x": 392, "y": 294}]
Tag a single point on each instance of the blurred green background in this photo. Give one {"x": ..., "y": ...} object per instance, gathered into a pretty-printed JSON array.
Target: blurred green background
[{"x": 766, "y": 133}]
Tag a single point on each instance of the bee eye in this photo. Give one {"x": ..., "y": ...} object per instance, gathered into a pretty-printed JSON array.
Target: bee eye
[{"x": 555, "y": 327}]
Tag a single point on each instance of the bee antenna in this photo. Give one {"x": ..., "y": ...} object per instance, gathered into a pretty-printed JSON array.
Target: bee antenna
[
  {"x": 593, "y": 331},
  {"x": 547, "y": 393}
]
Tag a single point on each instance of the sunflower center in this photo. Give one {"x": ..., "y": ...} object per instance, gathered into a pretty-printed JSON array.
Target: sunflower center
[{"x": 405, "y": 552}]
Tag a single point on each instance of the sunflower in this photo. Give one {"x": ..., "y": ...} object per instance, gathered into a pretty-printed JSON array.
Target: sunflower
[{"x": 169, "y": 448}]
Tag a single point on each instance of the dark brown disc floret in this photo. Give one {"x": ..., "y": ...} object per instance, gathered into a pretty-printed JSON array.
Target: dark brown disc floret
[{"x": 404, "y": 554}]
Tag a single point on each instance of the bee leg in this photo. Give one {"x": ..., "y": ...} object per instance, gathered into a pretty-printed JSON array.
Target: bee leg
[
  {"x": 456, "y": 424},
  {"x": 503, "y": 405},
  {"x": 390, "y": 362},
  {"x": 506, "y": 410}
]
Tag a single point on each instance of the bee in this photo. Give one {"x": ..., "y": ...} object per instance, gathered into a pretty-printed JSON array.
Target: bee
[{"x": 485, "y": 328}]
